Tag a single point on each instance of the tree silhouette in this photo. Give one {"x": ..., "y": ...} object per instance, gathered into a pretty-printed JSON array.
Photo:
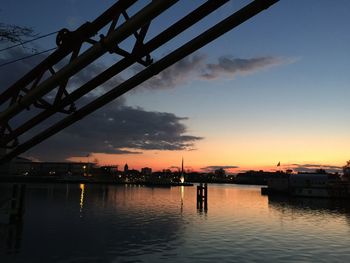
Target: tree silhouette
[
  {"x": 14, "y": 33},
  {"x": 346, "y": 168}
]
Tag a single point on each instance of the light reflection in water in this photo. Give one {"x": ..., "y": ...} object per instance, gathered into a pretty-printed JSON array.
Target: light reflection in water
[
  {"x": 182, "y": 190},
  {"x": 82, "y": 192},
  {"x": 144, "y": 224}
]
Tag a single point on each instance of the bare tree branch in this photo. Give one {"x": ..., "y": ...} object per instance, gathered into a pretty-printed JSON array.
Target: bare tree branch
[{"x": 14, "y": 33}]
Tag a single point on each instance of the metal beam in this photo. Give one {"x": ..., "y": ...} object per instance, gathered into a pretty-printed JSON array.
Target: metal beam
[
  {"x": 82, "y": 34},
  {"x": 148, "y": 13},
  {"x": 165, "y": 36},
  {"x": 206, "y": 37}
]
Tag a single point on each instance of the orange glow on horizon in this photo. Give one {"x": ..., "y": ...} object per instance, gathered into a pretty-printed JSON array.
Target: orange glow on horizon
[
  {"x": 172, "y": 160},
  {"x": 247, "y": 151}
]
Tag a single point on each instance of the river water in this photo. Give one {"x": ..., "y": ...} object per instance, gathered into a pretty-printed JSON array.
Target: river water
[{"x": 108, "y": 223}]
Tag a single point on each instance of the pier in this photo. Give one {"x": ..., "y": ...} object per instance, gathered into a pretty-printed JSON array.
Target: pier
[
  {"x": 11, "y": 231},
  {"x": 202, "y": 197}
]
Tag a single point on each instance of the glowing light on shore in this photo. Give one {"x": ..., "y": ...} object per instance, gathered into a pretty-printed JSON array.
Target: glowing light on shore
[{"x": 182, "y": 179}]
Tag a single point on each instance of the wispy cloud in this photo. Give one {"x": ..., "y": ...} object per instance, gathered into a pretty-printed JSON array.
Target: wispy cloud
[
  {"x": 179, "y": 73},
  {"x": 195, "y": 67},
  {"x": 230, "y": 66},
  {"x": 121, "y": 129},
  {"x": 116, "y": 128}
]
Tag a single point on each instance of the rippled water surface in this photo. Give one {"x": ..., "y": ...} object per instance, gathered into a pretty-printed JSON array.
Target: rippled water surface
[{"x": 98, "y": 223}]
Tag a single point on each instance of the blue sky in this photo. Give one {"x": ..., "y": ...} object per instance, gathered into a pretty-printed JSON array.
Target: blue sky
[{"x": 301, "y": 98}]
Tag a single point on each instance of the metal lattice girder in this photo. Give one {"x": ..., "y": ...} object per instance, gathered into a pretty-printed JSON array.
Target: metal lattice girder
[
  {"x": 67, "y": 45},
  {"x": 22, "y": 97},
  {"x": 191, "y": 46},
  {"x": 127, "y": 61},
  {"x": 106, "y": 44}
]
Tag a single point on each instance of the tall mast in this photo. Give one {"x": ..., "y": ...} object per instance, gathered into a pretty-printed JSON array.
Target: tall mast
[
  {"x": 182, "y": 167},
  {"x": 182, "y": 178}
]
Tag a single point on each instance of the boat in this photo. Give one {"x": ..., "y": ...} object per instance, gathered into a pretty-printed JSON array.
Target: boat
[{"x": 322, "y": 185}]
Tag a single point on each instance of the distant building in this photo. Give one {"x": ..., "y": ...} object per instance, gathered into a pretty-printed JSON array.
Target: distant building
[
  {"x": 255, "y": 177},
  {"x": 167, "y": 171},
  {"x": 109, "y": 169},
  {"x": 309, "y": 184},
  {"x": 146, "y": 171},
  {"x": 22, "y": 166}
]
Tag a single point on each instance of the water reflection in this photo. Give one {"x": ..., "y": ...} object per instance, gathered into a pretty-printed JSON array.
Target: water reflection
[
  {"x": 202, "y": 198},
  {"x": 182, "y": 190},
  {"x": 82, "y": 191},
  {"x": 11, "y": 222},
  {"x": 100, "y": 222},
  {"x": 321, "y": 207},
  {"x": 105, "y": 223}
]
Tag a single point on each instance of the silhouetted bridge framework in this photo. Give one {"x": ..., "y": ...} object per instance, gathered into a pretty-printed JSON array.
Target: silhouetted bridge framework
[{"x": 46, "y": 91}]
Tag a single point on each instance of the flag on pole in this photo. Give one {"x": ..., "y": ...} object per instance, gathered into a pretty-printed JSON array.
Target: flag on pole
[{"x": 279, "y": 164}]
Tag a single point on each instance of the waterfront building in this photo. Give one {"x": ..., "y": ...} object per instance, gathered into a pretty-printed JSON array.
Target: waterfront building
[
  {"x": 23, "y": 166},
  {"x": 309, "y": 185},
  {"x": 256, "y": 177}
]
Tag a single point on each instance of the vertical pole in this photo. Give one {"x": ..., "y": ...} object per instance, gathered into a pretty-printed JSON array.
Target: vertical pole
[
  {"x": 13, "y": 204},
  {"x": 14, "y": 234},
  {"x": 4, "y": 167},
  {"x": 202, "y": 196},
  {"x": 17, "y": 203},
  {"x": 198, "y": 194},
  {"x": 205, "y": 197}
]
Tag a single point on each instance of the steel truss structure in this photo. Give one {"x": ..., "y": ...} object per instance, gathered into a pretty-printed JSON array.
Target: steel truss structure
[{"x": 50, "y": 77}]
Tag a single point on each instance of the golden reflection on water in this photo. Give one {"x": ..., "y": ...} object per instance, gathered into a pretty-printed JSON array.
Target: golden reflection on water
[
  {"x": 223, "y": 201},
  {"x": 182, "y": 190},
  {"x": 240, "y": 225},
  {"x": 228, "y": 206},
  {"x": 236, "y": 202},
  {"x": 82, "y": 192}
]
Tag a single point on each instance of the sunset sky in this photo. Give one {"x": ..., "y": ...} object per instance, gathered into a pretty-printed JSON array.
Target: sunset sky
[{"x": 275, "y": 89}]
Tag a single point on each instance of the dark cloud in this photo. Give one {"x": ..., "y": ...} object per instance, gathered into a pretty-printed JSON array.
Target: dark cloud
[
  {"x": 313, "y": 167},
  {"x": 177, "y": 74},
  {"x": 10, "y": 73},
  {"x": 116, "y": 128},
  {"x": 195, "y": 66},
  {"x": 216, "y": 167},
  {"x": 228, "y": 65},
  {"x": 119, "y": 129}
]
